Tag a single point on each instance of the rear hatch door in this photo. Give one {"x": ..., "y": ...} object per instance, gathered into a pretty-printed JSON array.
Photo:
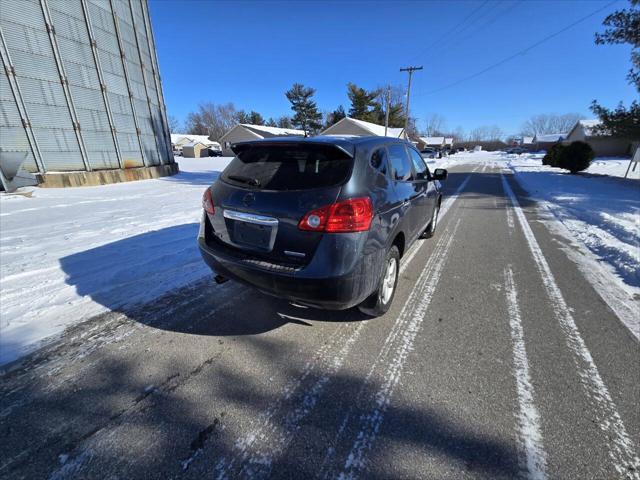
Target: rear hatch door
[{"x": 268, "y": 188}]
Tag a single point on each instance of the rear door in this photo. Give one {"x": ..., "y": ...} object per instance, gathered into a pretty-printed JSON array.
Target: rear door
[
  {"x": 268, "y": 187},
  {"x": 424, "y": 200},
  {"x": 402, "y": 174}
]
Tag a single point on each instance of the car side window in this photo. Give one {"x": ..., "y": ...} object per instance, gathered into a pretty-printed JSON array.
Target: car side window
[
  {"x": 400, "y": 163},
  {"x": 422, "y": 171},
  {"x": 379, "y": 160}
]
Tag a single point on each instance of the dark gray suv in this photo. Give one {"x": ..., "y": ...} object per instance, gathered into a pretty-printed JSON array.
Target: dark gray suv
[{"x": 321, "y": 221}]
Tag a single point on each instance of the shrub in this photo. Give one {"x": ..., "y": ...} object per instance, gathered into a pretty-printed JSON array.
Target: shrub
[
  {"x": 552, "y": 157},
  {"x": 576, "y": 157}
]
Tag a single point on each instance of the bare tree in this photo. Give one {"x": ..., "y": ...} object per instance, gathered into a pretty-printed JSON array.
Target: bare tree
[
  {"x": 212, "y": 120},
  {"x": 174, "y": 124},
  {"x": 435, "y": 125},
  {"x": 550, "y": 123}
]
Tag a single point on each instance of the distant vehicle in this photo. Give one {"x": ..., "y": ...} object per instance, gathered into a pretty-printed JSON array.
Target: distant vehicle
[
  {"x": 214, "y": 152},
  {"x": 430, "y": 153},
  {"x": 516, "y": 151},
  {"x": 320, "y": 221}
]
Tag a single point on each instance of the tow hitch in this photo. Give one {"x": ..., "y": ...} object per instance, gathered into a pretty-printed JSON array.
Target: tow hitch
[{"x": 220, "y": 279}]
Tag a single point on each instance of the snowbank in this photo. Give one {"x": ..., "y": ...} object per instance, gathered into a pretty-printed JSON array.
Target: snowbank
[{"x": 68, "y": 254}]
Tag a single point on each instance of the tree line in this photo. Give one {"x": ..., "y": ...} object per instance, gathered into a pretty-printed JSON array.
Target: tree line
[{"x": 368, "y": 105}]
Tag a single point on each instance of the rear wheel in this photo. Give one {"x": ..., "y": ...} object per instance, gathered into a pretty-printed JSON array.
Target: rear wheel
[
  {"x": 431, "y": 229},
  {"x": 380, "y": 301}
]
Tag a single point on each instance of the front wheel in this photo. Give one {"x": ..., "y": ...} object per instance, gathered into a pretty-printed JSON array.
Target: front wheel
[{"x": 380, "y": 301}]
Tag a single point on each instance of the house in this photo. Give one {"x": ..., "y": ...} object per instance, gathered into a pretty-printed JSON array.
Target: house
[
  {"x": 603, "y": 145},
  {"x": 360, "y": 128},
  {"x": 195, "y": 150},
  {"x": 179, "y": 140},
  {"x": 431, "y": 142},
  {"x": 546, "y": 141},
  {"x": 524, "y": 142},
  {"x": 244, "y": 132}
]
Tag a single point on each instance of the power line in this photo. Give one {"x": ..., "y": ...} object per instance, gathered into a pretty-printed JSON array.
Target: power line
[
  {"x": 480, "y": 27},
  {"x": 519, "y": 52},
  {"x": 451, "y": 30}
]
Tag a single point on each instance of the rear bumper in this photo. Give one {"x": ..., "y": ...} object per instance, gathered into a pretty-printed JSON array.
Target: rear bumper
[{"x": 306, "y": 285}]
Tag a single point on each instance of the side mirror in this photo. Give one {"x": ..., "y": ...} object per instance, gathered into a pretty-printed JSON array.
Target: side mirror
[{"x": 440, "y": 174}]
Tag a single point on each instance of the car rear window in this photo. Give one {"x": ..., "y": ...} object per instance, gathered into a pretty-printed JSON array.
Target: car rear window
[{"x": 288, "y": 167}]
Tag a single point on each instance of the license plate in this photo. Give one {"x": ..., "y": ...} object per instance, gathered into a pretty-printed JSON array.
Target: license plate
[{"x": 252, "y": 234}]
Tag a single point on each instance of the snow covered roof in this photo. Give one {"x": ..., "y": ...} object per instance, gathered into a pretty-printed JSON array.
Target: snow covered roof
[
  {"x": 371, "y": 128},
  {"x": 589, "y": 125},
  {"x": 376, "y": 129},
  {"x": 551, "y": 137},
  {"x": 527, "y": 140},
  {"x": 448, "y": 141},
  {"x": 185, "y": 138},
  {"x": 433, "y": 140},
  {"x": 193, "y": 144},
  {"x": 272, "y": 131}
]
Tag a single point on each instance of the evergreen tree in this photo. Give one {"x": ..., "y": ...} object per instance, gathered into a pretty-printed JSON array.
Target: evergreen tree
[
  {"x": 362, "y": 103},
  {"x": 335, "y": 116},
  {"x": 284, "y": 122},
  {"x": 255, "y": 118},
  {"x": 396, "y": 106},
  {"x": 243, "y": 117},
  {"x": 623, "y": 26},
  {"x": 271, "y": 122},
  {"x": 307, "y": 117}
]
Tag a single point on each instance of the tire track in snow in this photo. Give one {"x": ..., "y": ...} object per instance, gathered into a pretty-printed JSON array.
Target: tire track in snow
[
  {"x": 620, "y": 447},
  {"x": 389, "y": 365},
  {"x": 533, "y": 462}
]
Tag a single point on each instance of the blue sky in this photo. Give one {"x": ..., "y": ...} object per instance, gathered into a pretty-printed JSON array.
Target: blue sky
[{"x": 250, "y": 52}]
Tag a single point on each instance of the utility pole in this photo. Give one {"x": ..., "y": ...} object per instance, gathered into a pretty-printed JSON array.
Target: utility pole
[
  {"x": 410, "y": 70},
  {"x": 386, "y": 114}
]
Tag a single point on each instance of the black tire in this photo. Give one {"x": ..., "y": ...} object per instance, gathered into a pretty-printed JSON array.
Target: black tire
[
  {"x": 433, "y": 225},
  {"x": 376, "y": 304}
]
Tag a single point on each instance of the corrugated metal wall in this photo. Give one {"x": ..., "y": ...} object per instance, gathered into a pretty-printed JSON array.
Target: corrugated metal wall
[{"x": 80, "y": 86}]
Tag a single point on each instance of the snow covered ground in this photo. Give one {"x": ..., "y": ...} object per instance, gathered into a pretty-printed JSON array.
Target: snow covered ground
[{"x": 68, "y": 254}]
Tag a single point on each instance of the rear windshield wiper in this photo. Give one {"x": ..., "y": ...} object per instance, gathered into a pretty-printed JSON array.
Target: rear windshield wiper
[{"x": 254, "y": 182}]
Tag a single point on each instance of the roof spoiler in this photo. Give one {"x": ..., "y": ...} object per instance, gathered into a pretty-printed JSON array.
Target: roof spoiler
[{"x": 239, "y": 147}]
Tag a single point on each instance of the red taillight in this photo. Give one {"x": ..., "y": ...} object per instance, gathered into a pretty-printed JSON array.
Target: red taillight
[
  {"x": 207, "y": 203},
  {"x": 353, "y": 215}
]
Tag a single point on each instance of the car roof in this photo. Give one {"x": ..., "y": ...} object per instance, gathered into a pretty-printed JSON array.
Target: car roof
[{"x": 346, "y": 143}]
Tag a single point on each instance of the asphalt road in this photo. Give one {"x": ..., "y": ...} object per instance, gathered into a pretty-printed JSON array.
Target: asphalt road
[{"x": 497, "y": 360}]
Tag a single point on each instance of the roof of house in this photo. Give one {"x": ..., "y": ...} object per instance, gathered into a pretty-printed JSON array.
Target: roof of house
[
  {"x": 433, "y": 140},
  {"x": 273, "y": 131},
  {"x": 589, "y": 126},
  {"x": 372, "y": 128},
  {"x": 448, "y": 141},
  {"x": 550, "y": 137},
  {"x": 204, "y": 139},
  {"x": 527, "y": 140},
  {"x": 193, "y": 144}
]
